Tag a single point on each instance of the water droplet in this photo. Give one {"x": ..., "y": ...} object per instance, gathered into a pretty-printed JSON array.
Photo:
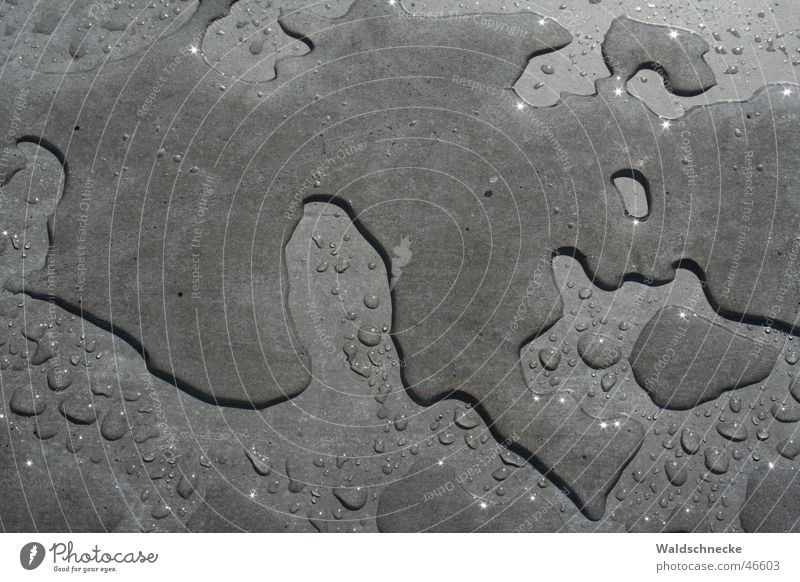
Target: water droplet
[
  {"x": 690, "y": 441},
  {"x": 59, "y": 378},
  {"x": 295, "y": 486},
  {"x": 716, "y": 460},
  {"x": 789, "y": 448},
  {"x": 550, "y": 358},
  {"x": 353, "y": 498},
  {"x": 78, "y": 409},
  {"x": 187, "y": 485},
  {"x": 260, "y": 463},
  {"x": 607, "y": 381},
  {"x": 370, "y": 337},
  {"x": 466, "y": 418},
  {"x": 27, "y": 403},
  {"x": 598, "y": 351},
  {"x": 447, "y": 438},
  {"x": 501, "y": 474},
  {"x": 732, "y": 430},
  {"x": 114, "y": 426},
  {"x": 786, "y": 412}
]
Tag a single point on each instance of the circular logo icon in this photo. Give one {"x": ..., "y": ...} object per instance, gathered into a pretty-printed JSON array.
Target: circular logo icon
[{"x": 31, "y": 555}]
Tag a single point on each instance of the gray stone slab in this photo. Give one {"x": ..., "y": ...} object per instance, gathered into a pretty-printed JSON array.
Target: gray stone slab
[{"x": 334, "y": 240}]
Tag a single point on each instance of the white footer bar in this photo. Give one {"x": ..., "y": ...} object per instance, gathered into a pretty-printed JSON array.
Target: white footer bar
[{"x": 376, "y": 557}]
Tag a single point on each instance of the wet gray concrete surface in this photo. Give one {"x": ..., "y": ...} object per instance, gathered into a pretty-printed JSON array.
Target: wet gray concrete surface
[{"x": 399, "y": 266}]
